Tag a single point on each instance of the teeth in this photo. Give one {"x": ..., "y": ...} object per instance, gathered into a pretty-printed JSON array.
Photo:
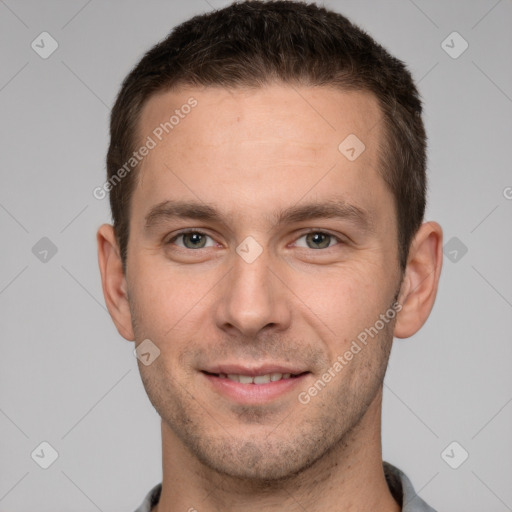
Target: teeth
[{"x": 259, "y": 379}]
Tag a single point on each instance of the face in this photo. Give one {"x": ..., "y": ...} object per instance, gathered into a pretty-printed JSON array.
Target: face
[{"x": 258, "y": 253}]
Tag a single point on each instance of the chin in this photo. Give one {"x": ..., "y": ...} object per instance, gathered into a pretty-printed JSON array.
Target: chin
[{"x": 259, "y": 463}]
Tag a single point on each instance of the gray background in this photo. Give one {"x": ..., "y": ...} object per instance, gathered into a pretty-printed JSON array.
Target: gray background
[{"x": 69, "y": 379}]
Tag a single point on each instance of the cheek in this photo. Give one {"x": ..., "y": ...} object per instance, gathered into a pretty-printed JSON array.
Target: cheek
[
  {"x": 166, "y": 300},
  {"x": 152, "y": 299},
  {"x": 350, "y": 286},
  {"x": 344, "y": 302}
]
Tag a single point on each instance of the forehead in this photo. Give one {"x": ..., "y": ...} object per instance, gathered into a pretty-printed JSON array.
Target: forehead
[
  {"x": 271, "y": 145},
  {"x": 309, "y": 116}
]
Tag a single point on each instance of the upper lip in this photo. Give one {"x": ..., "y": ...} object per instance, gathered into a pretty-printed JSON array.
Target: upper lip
[{"x": 253, "y": 371}]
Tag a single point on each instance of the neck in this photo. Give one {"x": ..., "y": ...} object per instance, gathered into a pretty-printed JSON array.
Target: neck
[{"x": 348, "y": 478}]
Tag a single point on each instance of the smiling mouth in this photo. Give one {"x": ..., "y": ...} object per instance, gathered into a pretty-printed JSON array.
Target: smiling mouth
[{"x": 256, "y": 379}]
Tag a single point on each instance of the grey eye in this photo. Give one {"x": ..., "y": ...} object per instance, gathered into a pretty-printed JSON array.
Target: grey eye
[
  {"x": 192, "y": 240},
  {"x": 317, "y": 240}
]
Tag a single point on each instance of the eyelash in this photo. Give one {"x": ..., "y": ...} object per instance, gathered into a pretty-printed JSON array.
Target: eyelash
[{"x": 195, "y": 231}]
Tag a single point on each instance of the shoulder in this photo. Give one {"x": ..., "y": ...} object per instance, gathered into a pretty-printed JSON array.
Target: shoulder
[
  {"x": 151, "y": 499},
  {"x": 403, "y": 491}
]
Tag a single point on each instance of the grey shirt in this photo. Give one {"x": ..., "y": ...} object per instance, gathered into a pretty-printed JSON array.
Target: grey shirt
[{"x": 399, "y": 485}]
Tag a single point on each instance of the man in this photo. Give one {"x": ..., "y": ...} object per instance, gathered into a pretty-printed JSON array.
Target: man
[{"x": 267, "y": 181}]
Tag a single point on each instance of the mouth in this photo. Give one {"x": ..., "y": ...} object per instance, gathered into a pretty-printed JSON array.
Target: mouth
[
  {"x": 256, "y": 379},
  {"x": 254, "y": 386}
]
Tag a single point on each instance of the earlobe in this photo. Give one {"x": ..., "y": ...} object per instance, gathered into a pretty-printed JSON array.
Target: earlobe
[
  {"x": 113, "y": 281},
  {"x": 419, "y": 286}
]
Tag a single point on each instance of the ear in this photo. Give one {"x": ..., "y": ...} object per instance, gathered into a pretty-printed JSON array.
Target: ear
[
  {"x": 113, "y": 281},
  {"x": 419, "y": 286}
]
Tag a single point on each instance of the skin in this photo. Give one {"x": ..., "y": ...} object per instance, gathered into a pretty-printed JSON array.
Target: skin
[{"x": 250, "y": 154}]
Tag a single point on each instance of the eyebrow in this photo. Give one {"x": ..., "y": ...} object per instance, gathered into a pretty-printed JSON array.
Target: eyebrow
[{"x": 331, "y": 209}]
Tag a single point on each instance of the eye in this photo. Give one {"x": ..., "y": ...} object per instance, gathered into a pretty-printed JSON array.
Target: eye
[
  {"x": 191, "y": 240},
  {"x": 318, "y": 240}
]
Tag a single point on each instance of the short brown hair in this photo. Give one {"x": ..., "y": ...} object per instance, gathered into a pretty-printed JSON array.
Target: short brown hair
[{"x": 254, "y": 43}]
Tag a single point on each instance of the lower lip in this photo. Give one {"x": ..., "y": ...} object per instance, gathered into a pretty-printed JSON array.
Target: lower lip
[{"x": 254, "y": 393}]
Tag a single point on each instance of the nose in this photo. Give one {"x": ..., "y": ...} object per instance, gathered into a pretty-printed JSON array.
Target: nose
[{"x": 253, "y": 298}]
